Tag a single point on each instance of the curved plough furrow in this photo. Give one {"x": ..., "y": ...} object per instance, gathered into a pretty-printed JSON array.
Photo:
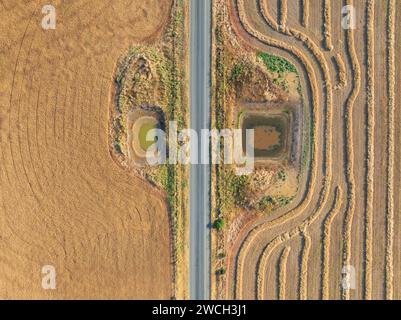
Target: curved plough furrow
[
  {"x": 313, "y": 48},
  {"x": 327, "y": 243},
  {"x": 247, "y": 243}
]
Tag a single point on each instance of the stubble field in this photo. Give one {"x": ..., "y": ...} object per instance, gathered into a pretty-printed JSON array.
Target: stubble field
[
  {"x": 340, "y": 238},
  {"x": 64, "y": 201}
]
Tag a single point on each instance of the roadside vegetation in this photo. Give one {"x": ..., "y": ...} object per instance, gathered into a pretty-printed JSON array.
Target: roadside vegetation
[{"x": 219, "y": 224}]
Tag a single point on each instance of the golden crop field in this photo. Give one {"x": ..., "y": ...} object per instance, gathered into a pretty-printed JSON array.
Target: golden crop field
[
  {"x": 83, "y": 216},
  {"x": 340, "y": 236},
  {"x": 64, "y": 200}
]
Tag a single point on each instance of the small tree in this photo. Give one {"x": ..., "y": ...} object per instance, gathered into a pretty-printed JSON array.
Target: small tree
[{"x": 221, "y": 255}]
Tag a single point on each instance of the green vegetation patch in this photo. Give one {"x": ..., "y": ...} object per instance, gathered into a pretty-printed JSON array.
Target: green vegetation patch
[
  {"x": 276, "y": 64},
  {"x": 219, "y": 224},
  {"x": 143, "y": 133},
  {"x": 237, "y": 72}
]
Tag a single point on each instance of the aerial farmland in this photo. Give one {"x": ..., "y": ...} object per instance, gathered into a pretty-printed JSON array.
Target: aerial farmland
[
  {"x": 200, "y": 150},
  {"x": 322, "y": 222}
]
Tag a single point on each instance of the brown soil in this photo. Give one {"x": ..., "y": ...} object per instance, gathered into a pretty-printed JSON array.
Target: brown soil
[
  {"x": 64, "y": 201},
  {"x": 266, "y": 138}
]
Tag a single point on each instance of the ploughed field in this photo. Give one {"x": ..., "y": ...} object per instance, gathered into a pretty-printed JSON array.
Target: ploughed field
[
  {"x": 64, "y": 201},
  {"x": 340, "y": 237}
]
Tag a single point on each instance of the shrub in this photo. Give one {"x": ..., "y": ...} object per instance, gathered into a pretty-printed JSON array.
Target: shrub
[
  {"x": 276, "y": 64},
  {"x": 235, "y": 189},
  {"x": 221, "y": 255},
  {"x": 221, "y": 272},
  {"x": 219, "y": 224},
  {"x": 237, "y": 71}
]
